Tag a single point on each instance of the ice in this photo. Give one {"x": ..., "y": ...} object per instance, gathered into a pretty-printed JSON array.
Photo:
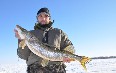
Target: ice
[{"x": 95, "y": 66}]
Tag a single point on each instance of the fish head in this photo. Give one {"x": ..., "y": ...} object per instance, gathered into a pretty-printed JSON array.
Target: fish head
[{"x": 23, "y": 33}]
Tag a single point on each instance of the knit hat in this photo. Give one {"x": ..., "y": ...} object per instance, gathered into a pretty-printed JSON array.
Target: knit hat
[{"x": 46, "y": 10}]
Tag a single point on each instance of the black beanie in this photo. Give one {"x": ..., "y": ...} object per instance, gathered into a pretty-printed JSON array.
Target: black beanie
[{"x": 46, "y": 10}]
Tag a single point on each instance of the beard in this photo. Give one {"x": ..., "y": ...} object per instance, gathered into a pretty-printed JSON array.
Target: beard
[{"x": 39, "y": 25}]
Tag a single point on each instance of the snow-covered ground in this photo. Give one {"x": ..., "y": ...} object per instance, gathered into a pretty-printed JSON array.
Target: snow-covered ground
[{"x": 95, "y": 66}]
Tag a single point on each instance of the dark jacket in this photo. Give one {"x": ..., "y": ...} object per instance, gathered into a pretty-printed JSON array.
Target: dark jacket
[{"x": 56, "y": 38}]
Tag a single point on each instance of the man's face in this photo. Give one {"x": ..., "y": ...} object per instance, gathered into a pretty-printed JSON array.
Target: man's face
[{"x": 43, "y": 18}]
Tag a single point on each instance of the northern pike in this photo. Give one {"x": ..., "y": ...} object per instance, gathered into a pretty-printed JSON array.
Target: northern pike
[{"x": 43, "y": 51}]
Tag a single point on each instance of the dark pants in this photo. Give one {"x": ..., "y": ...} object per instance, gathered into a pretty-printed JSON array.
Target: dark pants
[{"x": 36, "y": 68}]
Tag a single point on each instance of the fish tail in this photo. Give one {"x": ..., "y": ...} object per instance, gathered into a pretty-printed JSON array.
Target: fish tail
[{"x": 83, "y": 60}]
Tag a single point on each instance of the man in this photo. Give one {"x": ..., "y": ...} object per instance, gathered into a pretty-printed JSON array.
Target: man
[{"x": 54, "y": 37}]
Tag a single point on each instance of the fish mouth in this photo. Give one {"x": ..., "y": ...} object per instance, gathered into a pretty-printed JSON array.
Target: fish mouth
[
  {"x": 21, "y": 31},
  {"x": 19, "y": 28}
]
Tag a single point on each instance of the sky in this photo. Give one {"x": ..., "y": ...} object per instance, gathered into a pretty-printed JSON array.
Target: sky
[{"x": 89, "y": 24}]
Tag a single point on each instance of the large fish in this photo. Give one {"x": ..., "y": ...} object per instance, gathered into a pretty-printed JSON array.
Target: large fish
[{"x": 43, "y": 51}]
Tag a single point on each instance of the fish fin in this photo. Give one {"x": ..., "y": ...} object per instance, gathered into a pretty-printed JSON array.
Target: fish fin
[
  {"x": 22, "y": 44},
  {"x": 68, "y": 48},
  {"x": 83, "y": 61},
  {"x": 44, "y": 62},
  {"x": 72, "y": 59}
]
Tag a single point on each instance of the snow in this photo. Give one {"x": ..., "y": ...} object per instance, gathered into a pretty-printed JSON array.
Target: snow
[{"x": 95, "y": 66}]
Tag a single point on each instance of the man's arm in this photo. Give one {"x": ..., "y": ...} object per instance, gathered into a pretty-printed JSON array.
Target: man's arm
[
  {"x": 66, "y": 44},
  {"x": 23, "y": 53}
]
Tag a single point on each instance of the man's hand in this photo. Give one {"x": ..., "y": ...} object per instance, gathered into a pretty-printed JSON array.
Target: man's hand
[
  {"x": 66, "y": 60},
  {"x": 16, "y": 34}
]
